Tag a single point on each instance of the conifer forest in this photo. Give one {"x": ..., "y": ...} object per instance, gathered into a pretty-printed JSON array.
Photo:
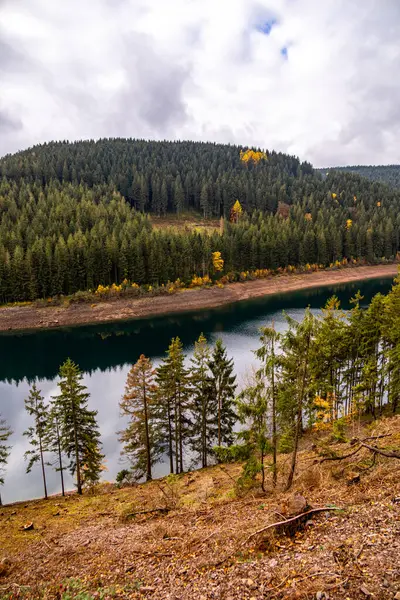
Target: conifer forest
[{"x": 80, "y": 216}]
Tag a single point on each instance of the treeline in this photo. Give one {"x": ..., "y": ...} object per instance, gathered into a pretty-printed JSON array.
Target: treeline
[
  {"x": 64, "y": 238},
  {"x": 389, "y": 174},
  {"x": 324, "y": 373},
  {"x": 163, "y": 177}
]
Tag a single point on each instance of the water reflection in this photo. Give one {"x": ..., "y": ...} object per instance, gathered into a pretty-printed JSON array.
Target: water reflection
[{"x": 105, "y": 352}]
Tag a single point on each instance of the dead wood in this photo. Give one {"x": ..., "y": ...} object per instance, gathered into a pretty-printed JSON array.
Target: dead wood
[
  {"x": 362, "y": 444},
  {"x": 280, "y": 524},
  {"x": 381, "y": 451},
  {"x": 145, "y": 512},
  {"x": 291, "y": 521},
  {"x": 340, "y": 457}
]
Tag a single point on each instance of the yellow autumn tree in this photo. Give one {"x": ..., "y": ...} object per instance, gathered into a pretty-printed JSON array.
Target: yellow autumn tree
[
  {"x": 236, "y": 212},
  {"x": 349, "y": 223},
  {"x": 308, "y": 217},
  {"x": 252, "y": 156},
  {"x": 217, "y": 261}
]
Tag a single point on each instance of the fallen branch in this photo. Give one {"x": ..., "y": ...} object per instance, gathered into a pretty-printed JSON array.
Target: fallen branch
[
  {"x": 145, "y": 512},
  {"x": 290, "y": 521},
  {"x": 377, "y": 437},
  {"x": 386, "y": 453},
  {"x": 341, "y": 457}
]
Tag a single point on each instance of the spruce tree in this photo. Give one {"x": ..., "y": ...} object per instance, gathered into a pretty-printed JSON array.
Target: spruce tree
[
  {"x": 296, "y": 382},
  {"x": 5, "y": 433},
  {"x": 78, "y": 427},
  {"x": 141, "y": 439},
  {"x": 267, "y": 353},
  {"x": 252, "y": 406},
  {"x": 54, "y": 442},
  {"x": 36, "y": 408},
  {"x": 202, "y": 405},
  {"x": 222, "y": 390},
  {"x": 173, "y": 398}
]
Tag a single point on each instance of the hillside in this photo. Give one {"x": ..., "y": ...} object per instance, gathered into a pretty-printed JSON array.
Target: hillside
[
  {"x": 72, "y": 217},
  {"x": 388, "y": 174},
  {"x": 192, "y": 536}
]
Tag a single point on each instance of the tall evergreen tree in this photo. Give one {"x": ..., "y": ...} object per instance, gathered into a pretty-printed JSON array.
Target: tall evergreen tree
[
  {"x": 252, "y": 410},
  {"x": 5, "y": 433},
  {"x": 222, "y": 390},
  {"x": 173, "y": 398},
  {"x": 202, "y": 404},
  {"x": 80, "y": 437},
  {"x": 141, "y": 438},
  {"x": 36, "y": 408},
  {"x": 296, "y": 382},
  {"x": 54, "y": 442},
  {"x": 267, "y": 353}
]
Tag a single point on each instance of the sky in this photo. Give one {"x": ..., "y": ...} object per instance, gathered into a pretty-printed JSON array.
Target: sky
[{"x": 315, "y": 78}]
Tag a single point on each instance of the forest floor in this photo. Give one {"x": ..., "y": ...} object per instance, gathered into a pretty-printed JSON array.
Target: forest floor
[
  {"x": 31, "y": 317},
  {"x": 201, "y": 547}
]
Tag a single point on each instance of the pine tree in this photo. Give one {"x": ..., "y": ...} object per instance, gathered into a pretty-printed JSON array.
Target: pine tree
[
  {"x": 267, "y": 354},
  {"x": 36, "y": 408},
  {"x": 54, "y": 442},
  {"x": 78, "y": 427},
  {"x": 141, "y": 439},
  {"x": 252, "y": 406},
  {"x": 223, "y": 388},
  {"x": 173, "y": 397},
  {"x": 203, "y": 406},
  {"x": 5, "y": 433},
  {"x": 296, "y": 381}
]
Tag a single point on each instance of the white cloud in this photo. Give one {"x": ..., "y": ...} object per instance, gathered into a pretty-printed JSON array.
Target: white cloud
[{"x": 205, "y": 70}]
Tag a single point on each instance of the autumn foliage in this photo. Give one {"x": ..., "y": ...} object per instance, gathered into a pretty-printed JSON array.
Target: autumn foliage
[
  {"x": 249, "y": 156},
  {"x": 236, "y": 212}
]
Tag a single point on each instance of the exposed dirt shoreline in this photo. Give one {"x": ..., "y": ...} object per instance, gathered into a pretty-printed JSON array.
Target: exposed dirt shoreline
[{"x": 30, "y": 317}]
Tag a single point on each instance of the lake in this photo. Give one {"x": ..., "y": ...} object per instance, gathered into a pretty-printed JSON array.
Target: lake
[{"x": 106, "y": 352}]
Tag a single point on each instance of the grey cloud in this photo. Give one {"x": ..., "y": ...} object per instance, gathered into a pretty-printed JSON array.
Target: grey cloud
[
  {"x": 11, "y": 60},
  {"x": 163, "y": 90},
  {"x": 155, "y": 86},
  {"x": 8, "y": 123}
]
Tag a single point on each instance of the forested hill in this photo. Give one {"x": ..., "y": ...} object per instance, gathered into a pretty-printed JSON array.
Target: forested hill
[
  {"x": 389, "y": 174},
  {"x": 71, "y": 215},
  {"x": 162, "y": 177}
]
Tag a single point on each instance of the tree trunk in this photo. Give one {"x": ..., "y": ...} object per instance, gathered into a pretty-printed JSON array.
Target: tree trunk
[
  {"x": 146, "y": 423},
  {"x": 176, "y": 437},
  {"x": 60, "y": 458},
  {"x": 170, "y": 440},
  {"x": 43, "y": 471},
  {"x": 274, "y": 436},
  {"x": 77, "y": 460},
  {"x": 262, "y": 471},
  {"x": 219, "y": 414},
  {"x": 180, "y": 433},
  {"x": 299, "y": 423}
]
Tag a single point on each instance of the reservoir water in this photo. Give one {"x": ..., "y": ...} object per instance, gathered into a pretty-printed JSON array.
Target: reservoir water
[{"x": 106, "y": 352}]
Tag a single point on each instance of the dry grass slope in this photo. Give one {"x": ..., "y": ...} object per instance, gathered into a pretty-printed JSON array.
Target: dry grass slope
[{"x": 199, "y": 546}]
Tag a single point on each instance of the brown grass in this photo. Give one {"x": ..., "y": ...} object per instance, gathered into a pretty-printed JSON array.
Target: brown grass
[
  {"x": 191, "y": 222},
  {"x": 198, "y": 549}
]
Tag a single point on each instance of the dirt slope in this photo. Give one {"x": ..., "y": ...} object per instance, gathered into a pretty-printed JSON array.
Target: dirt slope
[
  {"x": 200, "y": 548},
  {"x": 30, "y": 317}
]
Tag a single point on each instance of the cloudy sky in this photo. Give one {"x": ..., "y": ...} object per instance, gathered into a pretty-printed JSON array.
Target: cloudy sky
[{"x": 315, "y": 78}]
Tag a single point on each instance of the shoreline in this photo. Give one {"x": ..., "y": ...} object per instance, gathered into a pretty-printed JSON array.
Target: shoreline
[{"x": 20, "y": 318}]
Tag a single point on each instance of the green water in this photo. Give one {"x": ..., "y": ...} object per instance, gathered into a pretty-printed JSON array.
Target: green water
[{"x": 105, "y": 353}]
